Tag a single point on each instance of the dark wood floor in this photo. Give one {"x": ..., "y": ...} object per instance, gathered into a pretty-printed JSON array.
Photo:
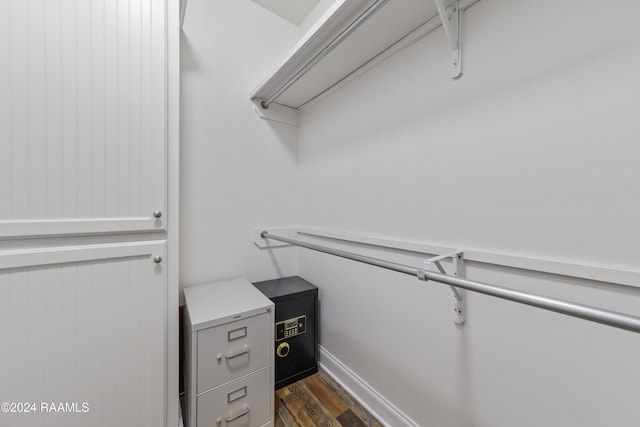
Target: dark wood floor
[{"x": 318, "y": 401}]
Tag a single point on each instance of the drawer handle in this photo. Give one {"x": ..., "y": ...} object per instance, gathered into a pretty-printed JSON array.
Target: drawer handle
[
  {"x": 238, "y": 354},
  {"x": 245, "y": 411}
]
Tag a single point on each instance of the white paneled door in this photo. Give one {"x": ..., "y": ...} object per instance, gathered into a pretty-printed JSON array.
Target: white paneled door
[
  {"x": 87, "y": 318},
  {"x": 83, "y": 341},
  {"x": 82, "y": 116}
]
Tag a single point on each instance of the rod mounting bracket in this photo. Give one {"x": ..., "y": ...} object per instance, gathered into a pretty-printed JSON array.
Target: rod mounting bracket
[
  {"x": 458, "y": 265},
  {"x": 275, "y": 112},
  {"x": 451, "y": 24}
]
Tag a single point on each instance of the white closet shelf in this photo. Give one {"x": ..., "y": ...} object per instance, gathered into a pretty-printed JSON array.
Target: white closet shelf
[{"x": 384, "y": 31}]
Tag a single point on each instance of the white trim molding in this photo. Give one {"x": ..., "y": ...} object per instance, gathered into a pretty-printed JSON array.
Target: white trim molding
[
  {"x": 16, "y": 258},
  {"x": 385, "y": 412},
  {"x": 562, "y": 268}
]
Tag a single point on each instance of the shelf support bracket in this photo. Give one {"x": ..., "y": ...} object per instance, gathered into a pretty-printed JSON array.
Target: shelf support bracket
[
  {"x": 451, "y": 25},
  {"x": 458, "y": 265}
]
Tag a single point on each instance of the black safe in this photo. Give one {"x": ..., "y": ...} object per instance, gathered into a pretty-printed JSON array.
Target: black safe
[{"x": 296, "y": 346}]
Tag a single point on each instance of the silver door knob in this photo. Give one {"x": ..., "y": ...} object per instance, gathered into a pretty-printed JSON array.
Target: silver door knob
[
  {"x": 157, "y": 214},
  {"x": 157, "y": 259}
]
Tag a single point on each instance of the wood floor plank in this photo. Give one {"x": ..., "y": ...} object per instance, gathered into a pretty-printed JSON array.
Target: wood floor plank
[
  {"x": 278, "y": 402},
  {"x": 280, "y": 393},
  {"x": 314, "y": 408},
  {"x": 368, "y": 419},
  {"x": 283, "y": 417},
  {"x": 294, "y": 402},
  {"x": 349, "y": 419},
  {"x": 318, "y": 401},
  {"x": 331, "y": 401}
]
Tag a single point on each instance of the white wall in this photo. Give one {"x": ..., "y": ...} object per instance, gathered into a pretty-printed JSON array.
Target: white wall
[
  {"x": 236, "y": 170},
  {"x": 316, "y": 13},
  {"x": 533, "y": 152}
]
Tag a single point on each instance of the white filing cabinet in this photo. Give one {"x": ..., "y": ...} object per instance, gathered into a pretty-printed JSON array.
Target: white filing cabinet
[{"x": 229, "y": 379}]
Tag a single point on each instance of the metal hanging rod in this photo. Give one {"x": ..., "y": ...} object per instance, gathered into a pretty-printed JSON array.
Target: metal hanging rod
[
  {"x": 325, "y": 50},
  {"x": 594, "y": 314}
]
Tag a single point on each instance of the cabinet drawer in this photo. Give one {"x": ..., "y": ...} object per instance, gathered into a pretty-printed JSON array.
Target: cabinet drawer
[
  {"x": 243, "y": 403},
  {"x": 232, "y": 350}
]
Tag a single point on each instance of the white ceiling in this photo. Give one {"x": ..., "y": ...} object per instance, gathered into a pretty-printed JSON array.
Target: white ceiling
[{"x": 294, "y": 11}]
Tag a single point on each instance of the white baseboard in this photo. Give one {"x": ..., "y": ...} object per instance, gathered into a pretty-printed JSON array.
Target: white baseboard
[{"x": 367, "y": 396}]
